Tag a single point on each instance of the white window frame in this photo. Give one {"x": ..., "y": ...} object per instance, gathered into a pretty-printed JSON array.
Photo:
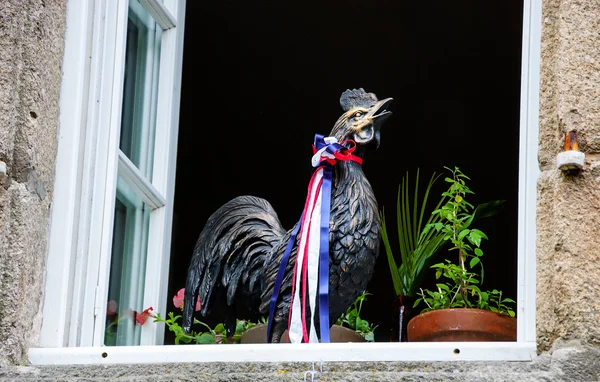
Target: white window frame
[
  {"x": 524, "y": 349},
  {"x": 89, "y": 160}
]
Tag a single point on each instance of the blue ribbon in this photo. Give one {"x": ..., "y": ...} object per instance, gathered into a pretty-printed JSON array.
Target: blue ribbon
[
  {"x": 323, "y": 247},
  {"x": 279, "y": 278},
  {"x": 324, "y": 254},
  {"x": 331, "y": 148}
]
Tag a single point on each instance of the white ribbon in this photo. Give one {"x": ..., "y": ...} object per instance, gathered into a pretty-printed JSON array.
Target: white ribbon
[
  {"x": 316, "y": 159},
  {"x": 309, "y": 240},
  {"x": 309, "y": 237}
]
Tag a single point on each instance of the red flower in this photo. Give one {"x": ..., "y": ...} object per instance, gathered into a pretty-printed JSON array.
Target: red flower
[
  {"x": 142, "y": 317},
  {"x": 178, "y": 300}
]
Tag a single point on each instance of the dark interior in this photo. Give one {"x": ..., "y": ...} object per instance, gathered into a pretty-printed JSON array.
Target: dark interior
[{"x": 261, "y": 78}]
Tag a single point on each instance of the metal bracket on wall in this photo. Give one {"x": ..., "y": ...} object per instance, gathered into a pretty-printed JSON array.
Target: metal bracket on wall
[
  {"x": 571, "y": 158},
  {"x": 313, "y": 372}
]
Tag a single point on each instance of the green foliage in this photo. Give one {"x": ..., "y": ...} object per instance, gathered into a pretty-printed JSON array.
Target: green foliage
[
  {"x": 417, "y": 246},
  {"x": 351, "y": 319},
  {"x": 448, "y": 294},
  {"x": 462, "y": 288},
  {"x": 216, "y": 335}
]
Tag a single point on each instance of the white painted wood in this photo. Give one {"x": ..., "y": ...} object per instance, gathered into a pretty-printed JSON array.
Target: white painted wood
[
  {"x": 112, "y": 100},
  {"x": 62, "y": 245},
  {"x": 332, "y": 352},
  {"x": 158, "y": 247},
  {"x": 97, "y": 303},
  {"x": 132, "y": 260},
  {"x": 134, "y": 187},
  {"x": 80, "y": 243},
  {"x": 160, "y": 13},
  {"x": 94, "y": 183},
  {"x": 140, "y": 184},
  {"x": 151, "y": 98},
  {"x": 165, "y": 161},
  {"x": 140, "y": 106},
  {"x": 528, "y": 171}
]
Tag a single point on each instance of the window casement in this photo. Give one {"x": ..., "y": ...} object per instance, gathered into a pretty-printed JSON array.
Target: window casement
[
  {"x": 112, "y": 211},
  {"x": 111, "y": 215}
]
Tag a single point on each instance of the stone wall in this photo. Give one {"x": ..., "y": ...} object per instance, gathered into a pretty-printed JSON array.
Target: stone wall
[
  {"x": 568, "y": 226},
  {"x": 31, "y": 51},
  {"x": 572, "y": 362}
]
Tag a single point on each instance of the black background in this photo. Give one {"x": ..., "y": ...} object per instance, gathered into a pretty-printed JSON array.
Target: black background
[{"x": 261, "y": 78}]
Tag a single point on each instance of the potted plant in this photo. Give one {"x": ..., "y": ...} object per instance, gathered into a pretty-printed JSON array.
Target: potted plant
[
  {"x": 459, "y": 309},
  {"x": 205, "y": 335},
  {"x": 352, "y": 320},
  {"x": 416, "y": 247},
  {"x": 350, "y": 327}
]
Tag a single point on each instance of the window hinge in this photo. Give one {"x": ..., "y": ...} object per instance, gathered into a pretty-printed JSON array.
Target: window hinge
[{"x": 97, "y": 301}]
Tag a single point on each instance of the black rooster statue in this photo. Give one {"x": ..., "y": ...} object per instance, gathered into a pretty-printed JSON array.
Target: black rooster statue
[{"x": 238, "y": 254}]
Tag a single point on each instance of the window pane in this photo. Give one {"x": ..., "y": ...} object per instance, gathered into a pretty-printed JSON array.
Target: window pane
[
  {"x": 128, "y": 267},
  {"x": 140, "y": 87}
]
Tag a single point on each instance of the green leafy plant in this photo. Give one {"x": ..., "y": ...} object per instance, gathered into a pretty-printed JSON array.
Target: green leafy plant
[
  {"x": 351, "y": 319},
  {"x": 416, "y": 245},
  {"x": 462, "y": 288},
  {"x": 216, "y": 335}
]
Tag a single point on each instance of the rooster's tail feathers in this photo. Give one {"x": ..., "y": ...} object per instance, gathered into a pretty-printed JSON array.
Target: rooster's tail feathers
[{"x": 230, "y": 252}]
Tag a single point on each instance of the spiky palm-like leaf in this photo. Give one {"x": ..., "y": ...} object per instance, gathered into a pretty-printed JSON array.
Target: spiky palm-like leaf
[{"x": 417, "y": 244}]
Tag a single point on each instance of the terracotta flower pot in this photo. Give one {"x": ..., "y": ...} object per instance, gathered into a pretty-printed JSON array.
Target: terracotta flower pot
[
  {"x": 462, "y": 324},
  {"x": 258, "y": 335}
]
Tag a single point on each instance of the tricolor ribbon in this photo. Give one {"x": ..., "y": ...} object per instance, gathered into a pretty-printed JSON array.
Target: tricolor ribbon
[{"x": 311, "y": 270}]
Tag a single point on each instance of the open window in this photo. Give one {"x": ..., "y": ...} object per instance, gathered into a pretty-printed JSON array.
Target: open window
[
  {"x": 276, "y": 75},
  {"x": 458, "y": 75},
  {"x": 259, "y": 80},
  {"x": 111, "y": 219}
]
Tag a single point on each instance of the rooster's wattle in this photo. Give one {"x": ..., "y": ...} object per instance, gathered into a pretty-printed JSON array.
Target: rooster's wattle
[{"x": 239, "y": 250}]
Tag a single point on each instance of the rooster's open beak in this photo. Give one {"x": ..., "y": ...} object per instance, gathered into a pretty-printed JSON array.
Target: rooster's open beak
[{"x": 377, "y": 114}]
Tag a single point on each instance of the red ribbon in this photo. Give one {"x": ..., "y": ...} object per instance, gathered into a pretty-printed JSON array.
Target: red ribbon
[{"x": 344, "y": 154}]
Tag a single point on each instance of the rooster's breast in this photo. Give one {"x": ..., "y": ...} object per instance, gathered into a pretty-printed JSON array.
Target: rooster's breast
[{"x": 354, "y": 242}]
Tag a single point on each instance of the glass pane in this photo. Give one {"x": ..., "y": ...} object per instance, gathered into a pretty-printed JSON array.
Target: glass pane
[
  {"x": 127, "y": 268},
  {"x": 138, "y": 121}
]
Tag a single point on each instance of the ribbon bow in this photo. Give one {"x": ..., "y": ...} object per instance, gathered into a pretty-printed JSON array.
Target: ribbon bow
[{"x": 311, "y": 270}]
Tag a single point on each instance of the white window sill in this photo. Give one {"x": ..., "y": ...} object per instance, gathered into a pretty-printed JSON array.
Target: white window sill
[{"x": 332, "y": 352}]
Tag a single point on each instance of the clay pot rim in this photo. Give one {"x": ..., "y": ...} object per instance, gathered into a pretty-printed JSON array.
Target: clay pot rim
[
  {"x": 349, "y": 335},
  {"x": 462, "y": 310},
  {"x": 462, "y": 324}
]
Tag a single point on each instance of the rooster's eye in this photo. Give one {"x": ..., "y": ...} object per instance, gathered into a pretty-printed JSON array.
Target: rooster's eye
[{"x": 358, "y": 114}]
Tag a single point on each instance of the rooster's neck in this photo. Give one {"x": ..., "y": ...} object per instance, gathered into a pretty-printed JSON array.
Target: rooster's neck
[
  {"x": 351, "y": 184},
  {"x": 349, "y": 170}
]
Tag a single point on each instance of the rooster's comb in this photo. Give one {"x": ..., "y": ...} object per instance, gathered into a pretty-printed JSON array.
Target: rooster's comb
[{"x": 357, "y": 97}]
